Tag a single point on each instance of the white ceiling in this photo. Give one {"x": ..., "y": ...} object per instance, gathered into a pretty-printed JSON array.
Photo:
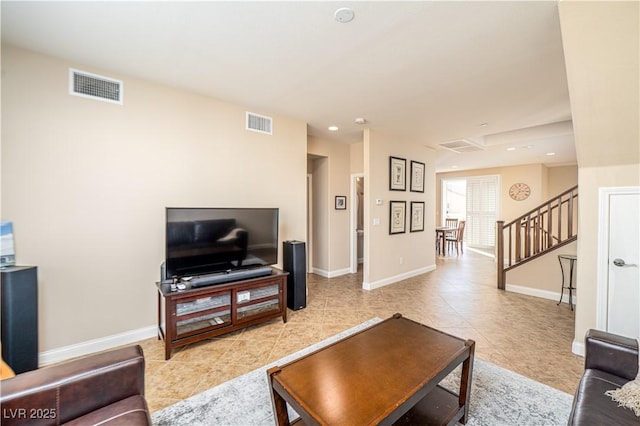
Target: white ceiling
[{"x": 428, "y": 72}]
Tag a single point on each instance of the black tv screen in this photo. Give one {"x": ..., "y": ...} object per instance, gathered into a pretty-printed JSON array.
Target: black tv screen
[{"x": 210, "y": 240}]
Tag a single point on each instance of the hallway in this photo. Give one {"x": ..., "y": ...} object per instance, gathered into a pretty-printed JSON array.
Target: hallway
[{"x": 524, "y": 334}]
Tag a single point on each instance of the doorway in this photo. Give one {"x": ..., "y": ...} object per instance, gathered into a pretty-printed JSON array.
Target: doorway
[
  {"x": 309, "y": 265},
  {"x": 357, "y": 221},
  {"x": 475, "y": 200},
  {"x": 618, "y": 301}
]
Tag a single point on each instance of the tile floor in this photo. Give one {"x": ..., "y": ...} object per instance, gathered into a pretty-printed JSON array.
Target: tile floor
[{"x": 528, "y": 335}]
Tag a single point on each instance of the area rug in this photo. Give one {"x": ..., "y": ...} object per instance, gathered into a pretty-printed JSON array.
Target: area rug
[{"x": 498, "y": 397}]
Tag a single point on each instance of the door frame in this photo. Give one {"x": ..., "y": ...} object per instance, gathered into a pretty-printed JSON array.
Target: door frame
[
  {"x": 309, "y": 259},
  {"x": 602, "y": 296},
  {"x": 353, "y": 257}
]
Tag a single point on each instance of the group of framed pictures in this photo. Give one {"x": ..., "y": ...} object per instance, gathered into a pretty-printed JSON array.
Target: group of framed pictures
[
  {"x": 398, "y": 175},
  {"x": 398, "y": 215},
  {"x": 398, "y": 209}
]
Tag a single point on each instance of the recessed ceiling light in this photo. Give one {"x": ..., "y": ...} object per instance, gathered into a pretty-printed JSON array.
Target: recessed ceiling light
[
  {"x": 333, "y": 128},
  {"x": 511, "y": 148},
  {"x": 484, "y": 124},
  {"x": 454, "y": 167},
  {"x": 529, "y": 146},
  {"x": 344, "y": 15},
  {"x": 550, "y": 153}
]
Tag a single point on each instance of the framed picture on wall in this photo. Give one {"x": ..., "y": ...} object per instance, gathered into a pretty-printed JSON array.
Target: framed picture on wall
[
  {"x": 397, "y": 215},
  {"x": 397, "y": 174},
  {"x": 341, "y": 202},
  {"x": 417, "y": 176},
  {"x": 417, "y": 216}
]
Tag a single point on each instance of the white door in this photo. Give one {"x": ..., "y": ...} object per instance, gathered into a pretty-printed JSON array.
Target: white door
[
  {"x": 624, "y": 258},
  {"x": 623, "y": 272}
]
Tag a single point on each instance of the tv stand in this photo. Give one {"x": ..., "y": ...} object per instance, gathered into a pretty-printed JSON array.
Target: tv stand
[
  {"x": 225, "y": 277},
  {"x": 198, "y": 313}
]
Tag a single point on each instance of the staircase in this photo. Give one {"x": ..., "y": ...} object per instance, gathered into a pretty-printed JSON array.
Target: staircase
[{"x": 547, "y": 227}]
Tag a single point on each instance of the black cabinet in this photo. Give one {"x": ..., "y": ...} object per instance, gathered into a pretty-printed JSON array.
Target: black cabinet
[{"x": 19, "y": 316}]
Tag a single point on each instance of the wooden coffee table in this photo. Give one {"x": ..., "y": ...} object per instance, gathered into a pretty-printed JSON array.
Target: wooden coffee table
[{"x": 385, "y": 374}]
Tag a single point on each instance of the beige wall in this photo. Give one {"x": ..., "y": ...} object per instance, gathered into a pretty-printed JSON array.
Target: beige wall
[
  {"x": 602, "y": 44},
  {"x": 561, "y": 179},
  {"x": 389, "y": 258},
  {"x": 356, "y": 152},
  {"x": 542, "y": 277},
  {"x": 86, "y": 183}
]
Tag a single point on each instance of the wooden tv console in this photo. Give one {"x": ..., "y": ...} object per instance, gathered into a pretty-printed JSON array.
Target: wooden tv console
[{"x": 194, "y": 314}]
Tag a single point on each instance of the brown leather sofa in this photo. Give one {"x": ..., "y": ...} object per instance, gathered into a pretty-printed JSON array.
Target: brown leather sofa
[
  {"x": 610, "y": 362},
  {"x": 105, "y": 388}
]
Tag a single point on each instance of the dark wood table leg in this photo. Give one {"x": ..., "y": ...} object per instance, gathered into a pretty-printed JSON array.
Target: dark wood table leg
[
  {"x": 465, "y": 380},
  {"x": 279, "y": 404}
]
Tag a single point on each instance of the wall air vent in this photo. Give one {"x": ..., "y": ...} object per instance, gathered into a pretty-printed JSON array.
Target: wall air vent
[
  {"x": 94, "y": 86},
  {"x": 259, "y": 123},
  {"x": 461, "y": 145}
]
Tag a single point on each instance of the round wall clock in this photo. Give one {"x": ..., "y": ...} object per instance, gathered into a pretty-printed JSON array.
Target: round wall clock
[{"x": 519, "y": 191}]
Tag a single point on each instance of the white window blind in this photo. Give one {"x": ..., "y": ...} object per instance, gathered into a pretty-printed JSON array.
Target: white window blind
[{"x": 482, "y": 211}]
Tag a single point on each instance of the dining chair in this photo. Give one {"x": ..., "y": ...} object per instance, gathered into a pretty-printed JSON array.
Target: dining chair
[
  {"x": 457, "y": 238},
  {"x": 451, "y": 223}
]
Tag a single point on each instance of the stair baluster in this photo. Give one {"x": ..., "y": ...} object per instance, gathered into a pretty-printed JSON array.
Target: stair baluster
[{"x": 536, "y": 232}]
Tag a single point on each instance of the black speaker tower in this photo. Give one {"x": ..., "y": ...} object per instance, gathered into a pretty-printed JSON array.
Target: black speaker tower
[
  {"x": 19, "y": 305},
  {"x": 295, "y": 263}
]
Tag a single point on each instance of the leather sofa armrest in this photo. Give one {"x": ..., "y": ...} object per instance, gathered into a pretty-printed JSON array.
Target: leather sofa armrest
[
  {"x": 611, "y": 353},
  {"x": 63, "y": 392}
]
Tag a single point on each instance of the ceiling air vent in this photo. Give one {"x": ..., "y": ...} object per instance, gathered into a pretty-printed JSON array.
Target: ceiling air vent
[
  {"x": 461, "y": 145},
  {"x": 259, "y": 123},
  {"x": 94, "y": 86}
]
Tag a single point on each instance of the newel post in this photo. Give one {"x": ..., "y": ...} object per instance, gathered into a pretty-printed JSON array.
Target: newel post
[{"x": 500, "y": 254}]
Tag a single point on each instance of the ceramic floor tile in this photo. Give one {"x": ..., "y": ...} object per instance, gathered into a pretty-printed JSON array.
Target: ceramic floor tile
[{"x": 528, "y": 335}]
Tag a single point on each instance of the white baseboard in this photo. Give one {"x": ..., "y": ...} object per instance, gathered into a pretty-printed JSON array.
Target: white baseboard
[
  {"x": 543, "y": 294},
  {"x": 330, "y": 274},
  {"x": 96, "y": 345},
  {"x": 578, "y": 348},
  {"x": 396, "y": 278}
]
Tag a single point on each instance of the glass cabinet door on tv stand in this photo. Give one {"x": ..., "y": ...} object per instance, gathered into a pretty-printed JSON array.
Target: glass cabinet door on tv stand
[{"x": 195, "y": 314}]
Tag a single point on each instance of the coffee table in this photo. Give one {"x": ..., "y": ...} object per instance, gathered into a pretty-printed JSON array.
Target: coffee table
[{"x": 386, "y": 374}]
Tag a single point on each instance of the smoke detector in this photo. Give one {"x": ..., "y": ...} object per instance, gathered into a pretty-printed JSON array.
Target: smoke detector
[
  {"x": 344, "y": 15},
  {"x": 360, "y": 120}
]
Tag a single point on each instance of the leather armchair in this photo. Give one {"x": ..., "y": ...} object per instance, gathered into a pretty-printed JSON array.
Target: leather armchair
[
  {"x": 610, "y": 362},
  {"x": 105, "y": 388}
]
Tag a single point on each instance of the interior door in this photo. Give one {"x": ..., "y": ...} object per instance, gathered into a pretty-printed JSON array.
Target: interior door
[{"x": 623, "y": 310}]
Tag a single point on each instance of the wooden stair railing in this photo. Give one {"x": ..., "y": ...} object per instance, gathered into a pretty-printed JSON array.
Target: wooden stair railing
[{"x": 547, "y": 227}]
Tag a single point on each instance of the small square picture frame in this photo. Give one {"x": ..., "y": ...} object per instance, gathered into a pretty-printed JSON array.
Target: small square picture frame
[{"x": 341, "y": 202}]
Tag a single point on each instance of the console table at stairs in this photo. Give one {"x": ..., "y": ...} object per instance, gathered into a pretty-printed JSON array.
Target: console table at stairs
[{"x": 194, "y": 314}]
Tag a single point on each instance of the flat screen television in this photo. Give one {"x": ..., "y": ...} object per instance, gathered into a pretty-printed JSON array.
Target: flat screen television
[{"x": 215, "y": 240}]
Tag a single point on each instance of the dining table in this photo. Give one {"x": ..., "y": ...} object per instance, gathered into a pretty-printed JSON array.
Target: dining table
[{"x": 441, "y": 234}]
